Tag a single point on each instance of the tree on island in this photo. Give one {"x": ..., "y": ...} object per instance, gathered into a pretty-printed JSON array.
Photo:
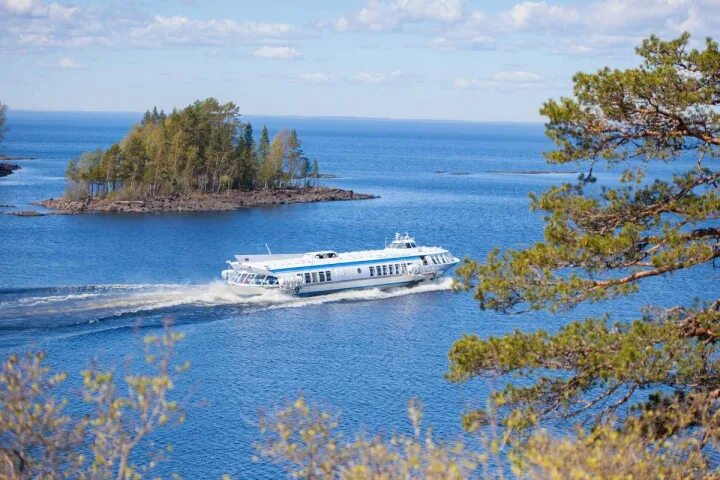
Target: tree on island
[{"x": 201, "y": 148}]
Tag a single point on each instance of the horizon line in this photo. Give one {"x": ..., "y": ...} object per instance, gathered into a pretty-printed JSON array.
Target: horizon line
[{"x": 328, "y": 117}]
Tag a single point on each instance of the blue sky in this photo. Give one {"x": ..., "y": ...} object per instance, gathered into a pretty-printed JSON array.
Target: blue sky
[{"x": 434, "y": 59}]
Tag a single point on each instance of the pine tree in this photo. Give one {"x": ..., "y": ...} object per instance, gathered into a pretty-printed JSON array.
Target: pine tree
[{"x": 601, "y": 244}]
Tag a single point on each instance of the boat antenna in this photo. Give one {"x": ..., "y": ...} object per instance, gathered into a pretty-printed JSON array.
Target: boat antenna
[{"x": 268, "y": 249}]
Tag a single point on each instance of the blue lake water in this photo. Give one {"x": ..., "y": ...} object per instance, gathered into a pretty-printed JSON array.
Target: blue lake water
[{"x": 86, "y": 287}]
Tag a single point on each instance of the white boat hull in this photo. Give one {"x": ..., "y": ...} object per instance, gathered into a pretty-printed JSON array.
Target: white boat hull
[
  {"x": 403, "y": 263},
  {"x": 359, "y": 284}
]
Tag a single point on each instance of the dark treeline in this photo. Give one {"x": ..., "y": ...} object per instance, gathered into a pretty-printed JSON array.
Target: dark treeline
[{"x": 201, "y": 148}]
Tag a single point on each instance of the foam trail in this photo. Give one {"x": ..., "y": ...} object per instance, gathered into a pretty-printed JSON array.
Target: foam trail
[
  {"x": 119, "y": 299},
  {"x": 60, "y": 306}
]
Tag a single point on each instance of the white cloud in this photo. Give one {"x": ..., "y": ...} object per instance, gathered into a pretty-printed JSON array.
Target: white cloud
[
  {"x": 267, "y": 51},
  {"x": 36, "y": 24},
  {"x": 18, "y": 6},
  {"x": 470, "y": 42},
  {"x": 376, "y": 78},
  {"x": 529, "y": 14},
  {"x": 468, "y": 83},
  {"x": 182, "y": 30},
  {"x": 316, "y": 77},
  {"x": 503, "y": 79},
  {"x": 381, "y": 15},
  {"x": 67, "y": 63},
  {"x": 564, "y": 26},
  {"x": 516, "y": 77},
  {"x": 568, "y": 24},
  {"x": 38, "y": 8},
  {"x": 590, "y": 26}
]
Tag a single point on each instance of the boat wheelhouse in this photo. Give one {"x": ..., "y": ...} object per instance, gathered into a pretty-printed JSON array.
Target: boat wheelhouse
[{"x": 402, "y": 263}]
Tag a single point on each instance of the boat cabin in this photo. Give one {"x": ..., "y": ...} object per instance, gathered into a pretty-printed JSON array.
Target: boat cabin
[{"x": 402, "y": 241}]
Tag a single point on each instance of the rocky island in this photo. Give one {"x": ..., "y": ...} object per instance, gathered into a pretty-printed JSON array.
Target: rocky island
[
  {"x": 203, "y": 202},
  {"x": 201, "y": 158},
  {"x": 7, "y": 168}
]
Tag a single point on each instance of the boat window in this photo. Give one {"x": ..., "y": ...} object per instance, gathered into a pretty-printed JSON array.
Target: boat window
[
  {"x": 314, "y": 277},
  {"x": 322, "y": 276},
  {"x": 390, "y": 269},
  {"x": 359, "y": 270},
  {"x": 384, "y": 267},
  {"x": 271, "y": 280},
  {"x": 307, "y": 278},
  {"x": 424, "y": 260},
  {"x": 404, "y": 268},
  {"x": 397, "y": 268},
  {"x": 327, "y": 276},
  {"x": 372, "y": 271}
]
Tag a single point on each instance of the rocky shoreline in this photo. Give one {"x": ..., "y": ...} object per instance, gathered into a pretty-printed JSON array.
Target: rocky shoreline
[
  {"x": 197, "y": 202},
  {"x": 7, "y": 168}
]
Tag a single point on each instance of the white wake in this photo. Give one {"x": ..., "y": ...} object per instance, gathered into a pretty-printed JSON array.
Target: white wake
[{"x": 122, "y": 299}]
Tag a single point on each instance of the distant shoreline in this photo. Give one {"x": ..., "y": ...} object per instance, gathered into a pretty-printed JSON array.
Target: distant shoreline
[
  {"x": 15, "y": 157},
  {"x": 203, "y": 202},
  {"x": 514, "y": 172}
]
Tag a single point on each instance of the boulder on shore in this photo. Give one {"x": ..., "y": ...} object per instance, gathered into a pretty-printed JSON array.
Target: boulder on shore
[
  {"x": 7, "y": 168},
  {"x": 204, "y": 202}
]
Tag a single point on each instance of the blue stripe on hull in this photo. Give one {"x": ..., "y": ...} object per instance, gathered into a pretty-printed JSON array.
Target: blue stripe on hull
[{"x": 345, "y": 264}]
